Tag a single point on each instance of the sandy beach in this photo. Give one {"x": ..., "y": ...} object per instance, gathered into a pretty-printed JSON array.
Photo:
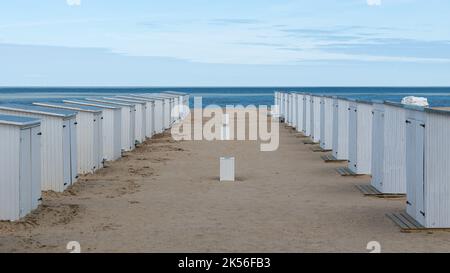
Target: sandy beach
[{"x": 165, "y": 197}]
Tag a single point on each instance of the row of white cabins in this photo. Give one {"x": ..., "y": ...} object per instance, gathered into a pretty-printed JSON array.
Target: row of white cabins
[
  {"x": 46, "y": 146},
  {"x": 405, "y": 149}
]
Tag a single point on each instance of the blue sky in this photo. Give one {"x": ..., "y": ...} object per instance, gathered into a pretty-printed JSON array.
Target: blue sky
[{"x": 225, "y": 43}]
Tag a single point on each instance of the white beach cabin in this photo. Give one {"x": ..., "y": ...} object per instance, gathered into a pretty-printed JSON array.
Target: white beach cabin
[
  {"x": 326, "y": 123},
  {"x": 140, "y": 117},
  {"x": 360, "y": 137},
  {"x": 58, "y": 143},
  {"x": 389, "y": 148},
  {"x": 340, "y": 128},
  {"x": 294, "y": 110},
  {"x": 20, "y": 166},
  {"x": 89, "y": 135},
  {"x": 149, "y": 112},
  {"x": 307, "y": 115},
  {"x": 176, "y": 106},
  {"x": 300, "y": 111},
  {"x": 184, "y": 101},
  {"x": 282, "y": 106},
  {"x": 166, "y": 110},
  {"x": 428, "y": 166},
  {"x": 112, "y": 127},
  {"x": 168, "y": 106},
  {"x": 158, "y": 109},
  {"x": 291, "y": 109},
  {"x": 315, "y": 118},
  {"x": 275, "y": 111},
  {"x": 128, "y": 114}
]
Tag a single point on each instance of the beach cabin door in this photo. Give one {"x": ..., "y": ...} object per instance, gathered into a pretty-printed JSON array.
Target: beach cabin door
[
  {"x": 353, "y": 138},
  {"x": 97, "y": 153},
  {"x": 73, "y": 151},
  {"x": 304, "y": 115},
  {"x": 378, "y": 149},
  {"x": 415, "y": 131},
  {"x": 35, "y": 155},
  {"x": 25, "y": 178},
  {"x": 66, "y": 154},
  {"x": 335, "y": 128}
]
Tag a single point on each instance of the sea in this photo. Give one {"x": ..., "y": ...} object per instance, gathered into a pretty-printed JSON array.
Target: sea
[{"x": 222, "y": 96}]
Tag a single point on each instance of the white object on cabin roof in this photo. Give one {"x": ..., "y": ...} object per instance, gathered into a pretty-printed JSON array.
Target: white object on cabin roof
[{"x": 417, "y": 101}]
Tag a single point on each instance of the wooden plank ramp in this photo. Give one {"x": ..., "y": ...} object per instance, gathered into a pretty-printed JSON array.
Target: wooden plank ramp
[
  {"x": 408, "y": 224},
  {"x": 318, "y": 149},
  {"x": 329, "y": 158},
  {"x": 345, "y": 171},
  {"x": 369, "y": 190}
]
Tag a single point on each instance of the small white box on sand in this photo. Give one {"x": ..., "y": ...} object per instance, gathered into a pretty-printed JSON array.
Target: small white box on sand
[{"x": 227, "y": 169}]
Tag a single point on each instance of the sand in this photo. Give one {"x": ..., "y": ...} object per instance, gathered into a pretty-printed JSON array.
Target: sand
[{"x": 165, "y": 197}]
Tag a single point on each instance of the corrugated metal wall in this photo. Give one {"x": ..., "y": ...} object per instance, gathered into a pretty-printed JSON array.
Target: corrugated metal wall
[
  {"x": 159, "y": 116},
  {"x": 389, "y": 149},
  {"x": 437, "y": 170},
  {"x": 300, "y": 112},
  {"x": 307, "y": 115},
  {"x": 326, "y": 123},
  {"x": 10, "y": 172},
  {"x": 315, "y": 119},
  {"x": 364, "y": 139},
  {"x": 87, "y": 161},
  {"x": 343, "y": 130}
]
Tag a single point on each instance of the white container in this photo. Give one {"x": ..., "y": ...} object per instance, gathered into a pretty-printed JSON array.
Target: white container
[
  {"x": 20, "y": 166},
  {"x": 307, "y": 115},
  {"x": 58, "y": 143},
  {"x": 89, "y": 135},
  {"x": 389, "y": 148},
  {"x": 340, "y": 128},
  {"x": 140, "y": 116},
  {"x": 427, "y": 166},
  {"x": 315, "y": 118},
  {"x": 128, "y": 115},
  {"x": 149, "y": 112},
  {"x": 326, "y": 123},
  {"x": 112, "y": 127},
  {"x": 360, "y": 137},
  {"x": 300, "y": 106},
  {"x": 227, "y": 169}
]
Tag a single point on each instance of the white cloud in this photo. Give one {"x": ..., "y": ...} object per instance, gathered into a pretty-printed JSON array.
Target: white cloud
[
  {"x": 374, "y": 2},
  {"x": 73, "y": 2}
]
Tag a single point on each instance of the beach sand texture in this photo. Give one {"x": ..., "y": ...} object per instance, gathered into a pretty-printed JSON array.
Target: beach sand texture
[{"x": 165, "y": 197}]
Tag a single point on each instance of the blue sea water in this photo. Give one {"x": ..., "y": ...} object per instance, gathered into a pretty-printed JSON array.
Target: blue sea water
[{"x": 437, "y": 96}]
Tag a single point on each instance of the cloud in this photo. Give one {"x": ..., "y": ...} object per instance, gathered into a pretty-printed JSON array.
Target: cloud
[
  {"x": 73, "y": 2},
  {"x": 374, "y": 2}
]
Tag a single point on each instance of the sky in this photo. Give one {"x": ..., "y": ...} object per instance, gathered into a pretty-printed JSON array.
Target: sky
[{"x": 225, "y": 43}]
